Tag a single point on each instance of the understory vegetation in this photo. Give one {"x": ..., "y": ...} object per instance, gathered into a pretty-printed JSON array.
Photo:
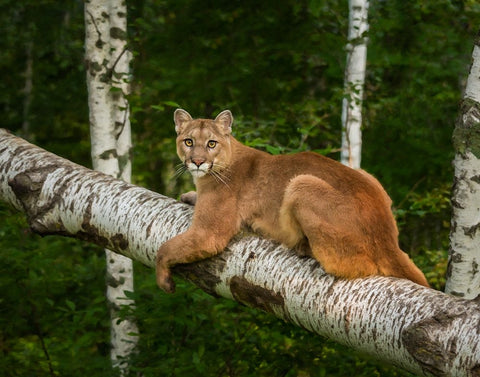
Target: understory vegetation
[{"x": 278, "y": 66}]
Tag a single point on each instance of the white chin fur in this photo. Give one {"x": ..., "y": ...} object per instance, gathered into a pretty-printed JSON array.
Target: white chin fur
[{"x": 197, "y": 173}]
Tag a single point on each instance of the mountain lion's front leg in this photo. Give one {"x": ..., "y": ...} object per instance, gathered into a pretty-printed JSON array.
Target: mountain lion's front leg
[{"x": 193, "y": 245}]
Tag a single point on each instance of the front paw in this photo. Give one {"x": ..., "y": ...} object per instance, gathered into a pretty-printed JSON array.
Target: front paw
[
  {"x": 189, "y": 198},
  {"x": 164, "y": 280},
  {"x": 163, "y": 274}
]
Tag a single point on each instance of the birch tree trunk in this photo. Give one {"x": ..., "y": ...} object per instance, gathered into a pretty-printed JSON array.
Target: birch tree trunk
[
  {"x": 463, "y": 273},
  {"x": 354, "y": 82},
  {"x": 421, "y": 330},
  {"x": 107, "y": 80}
]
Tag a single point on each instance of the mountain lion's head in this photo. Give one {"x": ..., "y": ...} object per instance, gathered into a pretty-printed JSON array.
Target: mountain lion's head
[{"x": 203, "y": 145}]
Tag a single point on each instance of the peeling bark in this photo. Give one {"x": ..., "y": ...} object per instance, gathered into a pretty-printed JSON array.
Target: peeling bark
[{"x": 416, "y": 328}]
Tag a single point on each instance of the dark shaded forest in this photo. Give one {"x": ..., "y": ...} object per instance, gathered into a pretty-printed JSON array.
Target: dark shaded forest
[{"x": 278, "y": 66}]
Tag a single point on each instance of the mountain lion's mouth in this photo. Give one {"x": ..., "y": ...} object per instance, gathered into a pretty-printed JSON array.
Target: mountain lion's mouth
[{"x": 199, "y": 171}]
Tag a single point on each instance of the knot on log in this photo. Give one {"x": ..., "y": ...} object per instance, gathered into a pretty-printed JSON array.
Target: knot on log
[
  {"x": 27, "y": 187},
  {"x": 426, "y": 343}
]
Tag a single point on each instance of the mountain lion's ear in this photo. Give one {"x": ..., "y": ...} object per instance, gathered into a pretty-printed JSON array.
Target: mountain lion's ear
[
  {"x": 225, "y": 118},
  {"x": 180, "y": 116}
]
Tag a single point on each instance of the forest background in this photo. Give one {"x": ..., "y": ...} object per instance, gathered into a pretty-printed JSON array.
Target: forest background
[{"x": 279, "y": 66}]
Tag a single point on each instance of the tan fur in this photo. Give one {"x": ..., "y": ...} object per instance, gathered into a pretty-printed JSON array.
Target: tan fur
[{"x": 316, "y": 205}]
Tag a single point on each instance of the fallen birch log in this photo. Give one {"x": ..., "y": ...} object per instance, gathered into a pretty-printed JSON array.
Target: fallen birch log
[{"x": 421, "y": 330}]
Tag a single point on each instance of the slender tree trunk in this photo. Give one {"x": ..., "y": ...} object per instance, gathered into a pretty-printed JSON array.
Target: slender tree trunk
[
  {"x": 421, "y": 330},
  {"x": 28, "y": 89},
  {"x": 107, "y": 79},
  {"x": 354, "y": 82},
  {"x": 463, "y": 273}
]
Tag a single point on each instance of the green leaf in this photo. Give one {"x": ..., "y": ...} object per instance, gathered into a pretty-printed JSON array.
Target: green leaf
[
  {"x": 70, "y": 305},
  {"x": 171, "y": 104}
]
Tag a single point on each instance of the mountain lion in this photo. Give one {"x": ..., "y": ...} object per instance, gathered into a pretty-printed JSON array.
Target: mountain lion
[{"x": 313, "y": 204}]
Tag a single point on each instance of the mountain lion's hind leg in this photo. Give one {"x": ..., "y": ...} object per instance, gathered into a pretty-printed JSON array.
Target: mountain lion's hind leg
[{"x": 313, "y": 209}]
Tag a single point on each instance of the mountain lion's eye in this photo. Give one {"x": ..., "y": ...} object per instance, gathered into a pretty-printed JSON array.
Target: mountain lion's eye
[
  {"x": 188, "y": 142},
  {"x": 212, "y": 144}
]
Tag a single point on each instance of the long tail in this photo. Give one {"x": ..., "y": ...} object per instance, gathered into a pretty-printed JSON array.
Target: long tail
[{"x": 403, "y": 267}]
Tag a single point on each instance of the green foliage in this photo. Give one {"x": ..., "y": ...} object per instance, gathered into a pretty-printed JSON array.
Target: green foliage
[
  {"x": 278, "y": 65},
  {"x": 53, "y": 317},
  {"x": 58, "y": 114},
  {"x": 419, "y": 56}
]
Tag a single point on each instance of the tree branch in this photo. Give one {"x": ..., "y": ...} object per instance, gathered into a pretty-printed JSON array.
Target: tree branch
[{"x": 418, "y": 329}]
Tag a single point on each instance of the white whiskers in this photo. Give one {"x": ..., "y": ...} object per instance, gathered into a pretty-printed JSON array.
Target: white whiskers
[
  {"x": 218, "y": 172},
  {"x": 179, "y": 170}
]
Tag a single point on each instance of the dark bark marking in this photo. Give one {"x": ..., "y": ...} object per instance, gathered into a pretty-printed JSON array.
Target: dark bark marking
[
  {"x": 456, "y": 257},
  {"x": 143, "y": 198},
  {"x": 2, "y": 150},
  {"x": 89, "y": 232},
  {"x": 456, "y": 204},
  {"x": 149, "y": 228},
  {"x": 204, "y": 278},
  {"x": 119, "y": 242},
  {"x": 457, "y": 294},
  {"x": 93, "y": 67},
  {"x": 450, "y": 263},
  {"x": 347, "y": 318},
  {"x": 113, "y": 281},
  {"x": 255, "y": 296},
  {"x": 117, "y": 33},
  {"x": 5, "y": 167},
  {"x": 475, "y": 371},
  {"x": 471, "y": 231},
  {"x": 331, "y": 287},
  {"x": 108, "y": 154}
]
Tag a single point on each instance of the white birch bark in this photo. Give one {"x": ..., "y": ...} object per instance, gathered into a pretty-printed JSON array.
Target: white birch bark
[
  {"x": 354, "y": 82},
  {"x": 107, "y": 81},
  {"x": 421, "y": 330},
  {"x": 463, "y": 274},
  {"x": 121, "y": 58}
]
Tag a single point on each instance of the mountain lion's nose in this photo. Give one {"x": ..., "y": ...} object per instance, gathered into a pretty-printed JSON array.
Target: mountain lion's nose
[{"x": 198, "y": 161}]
